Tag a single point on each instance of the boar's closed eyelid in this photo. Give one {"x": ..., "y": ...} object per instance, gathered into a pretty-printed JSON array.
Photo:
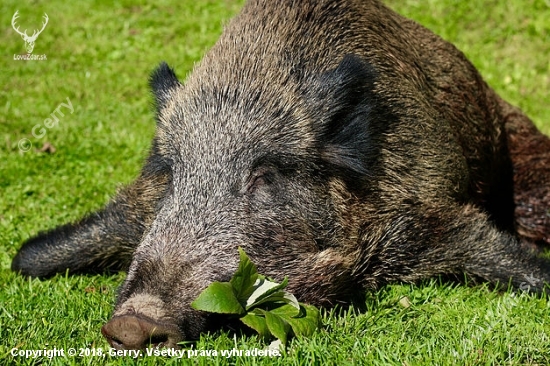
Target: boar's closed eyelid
[{"x": 258, "y": 178}]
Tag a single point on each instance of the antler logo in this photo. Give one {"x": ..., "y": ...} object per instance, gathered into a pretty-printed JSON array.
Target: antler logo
[{"x": 29, "y": 41}]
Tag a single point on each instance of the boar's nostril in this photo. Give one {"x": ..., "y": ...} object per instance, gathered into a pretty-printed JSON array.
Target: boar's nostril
[{"x": 138, "y": 332}]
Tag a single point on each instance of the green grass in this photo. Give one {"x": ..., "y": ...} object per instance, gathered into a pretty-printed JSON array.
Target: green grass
[{"x": 101, "y": 60}]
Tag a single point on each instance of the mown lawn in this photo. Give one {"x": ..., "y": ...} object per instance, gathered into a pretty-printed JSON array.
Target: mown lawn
[{"x": 99, "y": 55}]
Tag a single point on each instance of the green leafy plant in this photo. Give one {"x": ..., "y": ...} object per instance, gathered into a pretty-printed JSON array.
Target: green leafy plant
[{"x": 260, "y": 303}]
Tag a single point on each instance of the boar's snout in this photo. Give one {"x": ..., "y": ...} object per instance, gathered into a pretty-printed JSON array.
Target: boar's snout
[{"x": 136, "y": 331}]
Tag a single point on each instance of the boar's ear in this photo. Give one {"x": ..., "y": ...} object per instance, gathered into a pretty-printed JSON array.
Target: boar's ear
[
  {"x": 349, "y": 117},
  {"x": 163, "y": 82}
]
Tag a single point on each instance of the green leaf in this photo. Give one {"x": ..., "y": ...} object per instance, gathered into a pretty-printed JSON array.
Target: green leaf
[
  {"x": 280, "y": 315},
  {"x": 244, "y": 278},
  {"x": 282, "y": 297},
  {"x": 219, "y": 297},
  {"x": 257, "y": 322},
  {"x": 277, "y": 325},
  {"x": 262, "y": 287},
  {"x": 303, "y": 324},
  {"x": 269, "y": 291}
]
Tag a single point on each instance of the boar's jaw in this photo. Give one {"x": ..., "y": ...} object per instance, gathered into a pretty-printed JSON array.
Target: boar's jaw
[{"x": 153, "y": 305}]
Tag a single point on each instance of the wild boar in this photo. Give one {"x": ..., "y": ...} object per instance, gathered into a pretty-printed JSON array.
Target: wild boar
[{"x": 338, "y": 144}]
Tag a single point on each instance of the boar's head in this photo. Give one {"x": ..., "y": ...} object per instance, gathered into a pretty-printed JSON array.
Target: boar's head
[{"x": 262, "y": 164}]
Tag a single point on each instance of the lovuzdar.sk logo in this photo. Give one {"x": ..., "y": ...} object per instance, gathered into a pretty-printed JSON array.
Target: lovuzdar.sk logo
[{"x": 29, "y": 40}]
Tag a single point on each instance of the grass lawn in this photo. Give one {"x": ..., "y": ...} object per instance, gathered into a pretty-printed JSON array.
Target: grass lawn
[{"x": 100, "y": 55}]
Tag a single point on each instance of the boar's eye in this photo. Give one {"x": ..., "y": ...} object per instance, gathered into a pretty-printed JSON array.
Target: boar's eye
[{"x": 259, "y": 178}]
